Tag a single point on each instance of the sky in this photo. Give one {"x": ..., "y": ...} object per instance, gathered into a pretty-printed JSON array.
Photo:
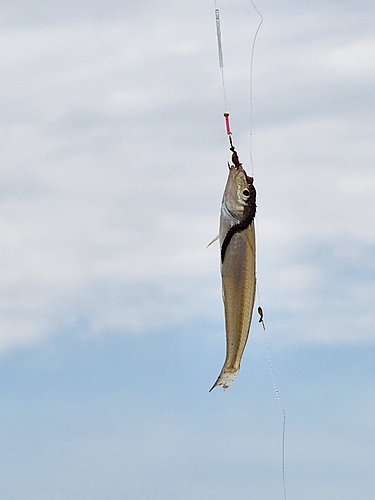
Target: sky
[{"x": 113, "y": 163}]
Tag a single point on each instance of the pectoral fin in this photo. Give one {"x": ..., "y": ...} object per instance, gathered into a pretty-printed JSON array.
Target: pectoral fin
[{"x": 213, "y": 241}]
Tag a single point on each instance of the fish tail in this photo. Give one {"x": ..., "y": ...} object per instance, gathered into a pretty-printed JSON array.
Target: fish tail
[{"x": 225, "y": 378}]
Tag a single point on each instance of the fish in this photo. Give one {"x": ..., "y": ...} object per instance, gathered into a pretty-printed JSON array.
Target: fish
[{"x": 238, "y": 266}]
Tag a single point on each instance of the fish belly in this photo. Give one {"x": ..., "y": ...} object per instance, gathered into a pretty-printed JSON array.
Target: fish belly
[{"x": 238, "y": 287}]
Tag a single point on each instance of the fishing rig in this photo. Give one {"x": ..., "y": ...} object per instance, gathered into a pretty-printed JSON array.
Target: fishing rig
[
  {"x": 235, "y": 158},
  {"x": 236, "y": 162},
  {"x": 221, "y": 66}
]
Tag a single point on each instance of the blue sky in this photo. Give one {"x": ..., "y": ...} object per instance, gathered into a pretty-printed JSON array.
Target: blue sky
[{"x": 113, "y": 155}]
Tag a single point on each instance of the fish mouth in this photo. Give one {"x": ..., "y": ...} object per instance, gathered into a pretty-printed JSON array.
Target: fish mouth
[{"x": 239, "y": 168}]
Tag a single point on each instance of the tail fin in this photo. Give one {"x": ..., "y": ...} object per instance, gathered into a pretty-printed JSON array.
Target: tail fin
[{"x": 225, "y": 378}]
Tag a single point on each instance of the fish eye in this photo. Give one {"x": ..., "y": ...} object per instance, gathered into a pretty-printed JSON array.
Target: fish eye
[{"x": 246, "y": 193}]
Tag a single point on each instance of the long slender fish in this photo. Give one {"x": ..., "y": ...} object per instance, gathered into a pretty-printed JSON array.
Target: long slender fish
[{"x": 237, "y": 243}]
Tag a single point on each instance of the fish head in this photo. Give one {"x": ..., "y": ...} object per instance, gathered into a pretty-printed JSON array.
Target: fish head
[{"x": 239, "y": 194}]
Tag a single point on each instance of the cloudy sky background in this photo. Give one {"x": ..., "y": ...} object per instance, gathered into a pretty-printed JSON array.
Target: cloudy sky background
[{"x": 113, "y": 158}]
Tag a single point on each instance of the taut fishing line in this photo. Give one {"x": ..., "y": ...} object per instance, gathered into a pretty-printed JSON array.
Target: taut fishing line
[
  {"x": 251, "y": 84},
  {"x": 283, "y": 411},
  {"x": 220, "y": 52},
  {"x": 261, "y": 320},
  {"x": 229, "y": 133}
]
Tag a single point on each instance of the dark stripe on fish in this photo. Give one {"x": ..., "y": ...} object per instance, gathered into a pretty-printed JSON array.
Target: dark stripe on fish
[
  {"x": 232, "y": 231},
  {"x": 237, "y": 228}
]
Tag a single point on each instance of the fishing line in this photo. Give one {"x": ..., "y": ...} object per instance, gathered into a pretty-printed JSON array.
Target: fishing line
[
  {"x": 283, "y": 412},
  {"x": 260, "y": 310},
  {"x": 235, "y": 157},
  {"x": 220, "y": 52},
  {"x": 221, "y": 66},
  {"x": 251, "y": 85},
  {"x": 261, "y": 320}
]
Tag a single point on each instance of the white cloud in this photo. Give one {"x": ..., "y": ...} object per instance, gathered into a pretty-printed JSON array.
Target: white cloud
[
  {"x": 113, "y": 156},
  {"x": 354, "y": 61}
]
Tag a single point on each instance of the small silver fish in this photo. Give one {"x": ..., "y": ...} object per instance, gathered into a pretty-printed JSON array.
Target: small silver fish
[{"x": 237, "y": 243}]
